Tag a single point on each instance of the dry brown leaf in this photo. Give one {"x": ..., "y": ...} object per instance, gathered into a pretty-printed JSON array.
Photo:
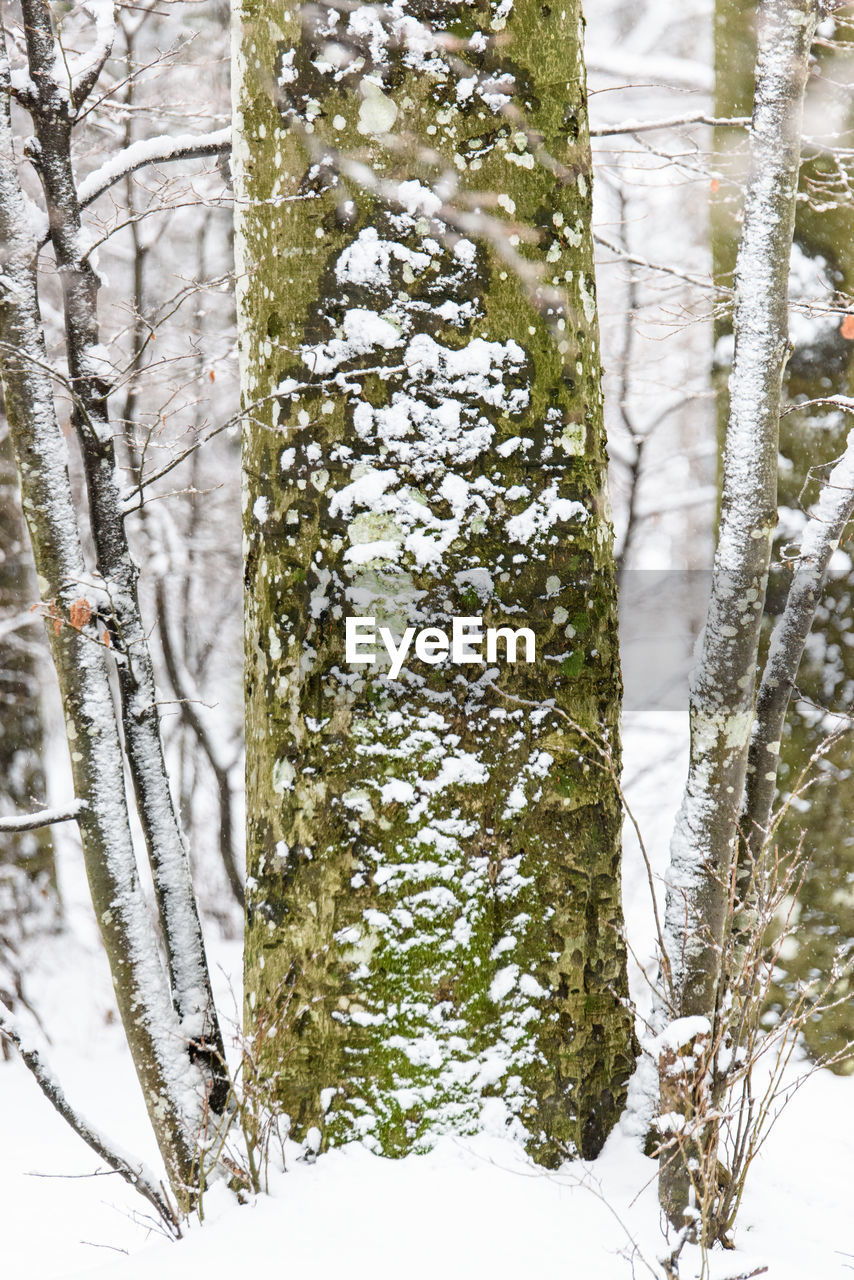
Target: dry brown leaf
[{"x": 80, "y": 613}]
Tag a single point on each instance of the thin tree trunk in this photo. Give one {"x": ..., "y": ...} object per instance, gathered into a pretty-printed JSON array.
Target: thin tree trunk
[
  {"x": 27, "y": 870},
  {"x": 171, "y": 1085},
  {"x": 433, "y": 894},
  {"x": 722, "y": 694},
  {"x": 811, "y": 438},
  {"x": 821, "y": 538},
  {"x": 53, "y": 112}
]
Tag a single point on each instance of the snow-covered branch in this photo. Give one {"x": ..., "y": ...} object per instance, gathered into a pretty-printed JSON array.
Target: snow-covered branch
[
  {"x": 43, "y": 818},
  {"x": 159, "y": 150},
  {"x": 675, "y": 122},
  {"x": 86, "y": 74},
  {"x": 136, "y": 1172}
]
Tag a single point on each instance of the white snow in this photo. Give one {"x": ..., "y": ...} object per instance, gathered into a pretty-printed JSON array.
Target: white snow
[
  {"x": 437, "y": 1211},
  {"x": 548, "y": 509},
  {"x": 163, "y": 148}
]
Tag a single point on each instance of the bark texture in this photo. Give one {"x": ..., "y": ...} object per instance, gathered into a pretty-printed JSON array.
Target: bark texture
[
  {"x": 54, "y": 108},
  {"x": 434, "y": 926},
  {"x": 821, "y": 365},
  {"x": 723, "y": 688},
  {"x": 171, "y": 1086}
]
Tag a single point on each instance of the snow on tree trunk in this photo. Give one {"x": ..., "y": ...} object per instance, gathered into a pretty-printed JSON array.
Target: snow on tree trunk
[
  {"x": 722, "y": 694},
  {"x": 820, "y": 540},
  {"x": 53, "y": 112},
  {"x": 172, "y": 1086},
  {"x": 434, "y": 925},
  {"x": 821, "y": 366}
]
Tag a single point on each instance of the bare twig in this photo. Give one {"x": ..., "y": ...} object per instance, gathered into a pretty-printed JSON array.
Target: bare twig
[{"x": 675, "y": 122}]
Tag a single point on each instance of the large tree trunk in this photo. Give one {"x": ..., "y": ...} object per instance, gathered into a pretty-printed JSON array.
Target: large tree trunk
[{"x": 433, "y": 898}]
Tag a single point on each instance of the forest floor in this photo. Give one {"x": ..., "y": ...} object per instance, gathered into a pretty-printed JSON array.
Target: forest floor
[{"x": 471, "y": 1207}]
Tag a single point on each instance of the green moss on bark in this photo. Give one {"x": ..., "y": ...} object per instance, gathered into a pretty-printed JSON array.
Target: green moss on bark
[
  {"x": 433, "y": 902},
  {"x": 821, "y": 364}
]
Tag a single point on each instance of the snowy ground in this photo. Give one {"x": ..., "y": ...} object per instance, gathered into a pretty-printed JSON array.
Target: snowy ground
[{"x": 471, "y": 1207}]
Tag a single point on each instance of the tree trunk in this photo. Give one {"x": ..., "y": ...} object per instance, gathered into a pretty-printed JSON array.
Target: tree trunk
[
  {"x": 53, "y": 109},
  {"x": 21, "y": 734},
  {"x": 28, "y": 899},
  {"x": 821, "y": 365},
  {"x": 433, "y": 901},
  {"x": 171, "y": 1084},
  {"x": 722, "y": 693}
]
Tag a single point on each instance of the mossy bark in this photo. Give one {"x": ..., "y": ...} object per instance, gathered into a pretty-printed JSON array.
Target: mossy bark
[
  {"x": 821, "y": 365},
  {"x": 22, "y": 780},
  {"x": 433, "y": 895}
]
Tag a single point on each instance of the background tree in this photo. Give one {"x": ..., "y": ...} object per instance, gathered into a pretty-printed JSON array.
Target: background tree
[
  {"x": 27, "y": 872},
  {"x": 433, "y": 911}
]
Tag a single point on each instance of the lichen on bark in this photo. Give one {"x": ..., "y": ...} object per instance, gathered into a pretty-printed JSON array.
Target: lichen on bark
[
  {"x": 821, "y": 365},
  {"x": 434, "y": 926}
]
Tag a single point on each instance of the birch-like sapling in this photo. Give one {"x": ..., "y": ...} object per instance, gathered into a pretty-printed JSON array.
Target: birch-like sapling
[
  {"x": 173, "y": 1088},
  {"x": 95, "y": 623},
  {"x": 723, "y": 685}
]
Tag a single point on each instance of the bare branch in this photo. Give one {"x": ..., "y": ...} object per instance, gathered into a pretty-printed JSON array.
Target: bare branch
[
  {"x": 830, "y": 402},
  {"x": 699, "y": 282},
  {"x": 181, "y": 682},
  {"x": 105, "y": 34}
]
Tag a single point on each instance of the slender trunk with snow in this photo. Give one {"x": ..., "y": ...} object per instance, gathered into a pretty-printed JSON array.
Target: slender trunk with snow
[
  {"x": 173, "y": 1087},
  {"x": 723, "y": 687},
  {"x": 434, "y": 918},
  {"x": 125, "y": 1165},
  {"x": 813, "y": 432},
  {"x": 53, "y": 105}
]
